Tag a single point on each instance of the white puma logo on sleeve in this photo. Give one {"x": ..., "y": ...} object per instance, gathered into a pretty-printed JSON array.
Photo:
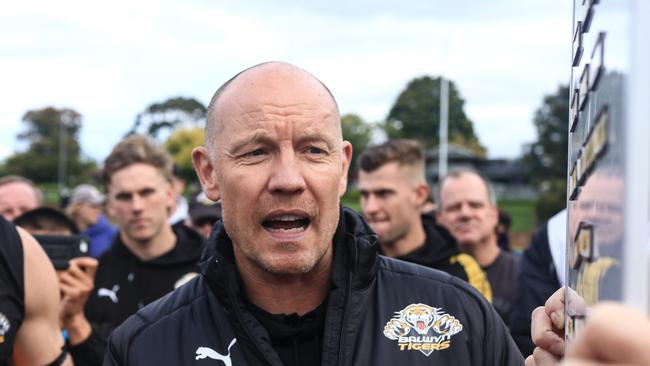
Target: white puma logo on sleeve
[
  {"x": 111, "y": 294},
  {"x": 203, "y": 352}
]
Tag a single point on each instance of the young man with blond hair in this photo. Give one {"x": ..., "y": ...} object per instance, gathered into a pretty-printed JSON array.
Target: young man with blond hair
[{"x": 148, "y": 259}]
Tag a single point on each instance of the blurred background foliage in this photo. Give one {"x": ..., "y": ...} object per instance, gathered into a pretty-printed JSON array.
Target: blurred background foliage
[{"x": 178, "y": 123}]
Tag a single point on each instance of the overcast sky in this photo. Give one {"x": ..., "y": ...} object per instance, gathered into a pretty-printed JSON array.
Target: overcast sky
[{"x": 109, "y": 60}]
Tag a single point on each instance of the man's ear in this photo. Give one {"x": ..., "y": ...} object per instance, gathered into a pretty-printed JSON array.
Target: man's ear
[
  {"x": 346, "y": 160},
  {"x": 170, "y": 192},
  {"x": 110, "y": 210},
  {"x": 206, "y": 173},
  {"x": 494, "y": 216},
  {"x": 421, "y": 194}
]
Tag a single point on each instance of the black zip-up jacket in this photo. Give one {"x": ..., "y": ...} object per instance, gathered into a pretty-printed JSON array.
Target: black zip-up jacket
[
  {"x": 380, "y": 311},
  {"x": 440, "y": 251},
  {"x": 537, "y": 282}
]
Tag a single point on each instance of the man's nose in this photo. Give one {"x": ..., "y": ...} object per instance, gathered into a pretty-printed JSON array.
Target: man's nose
[
  {"x": 287, "y": 176},
  {"x": 137, "y": 203},
  {"x": 465, "y": 211},
  {"x": 369, "y": 205}
]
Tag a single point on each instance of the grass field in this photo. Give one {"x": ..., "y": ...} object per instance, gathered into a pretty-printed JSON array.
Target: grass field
[
  {"x": 351, "y": 200},
  {"x": 523, "y": 222},
  {"x": 522, "y": 213}
]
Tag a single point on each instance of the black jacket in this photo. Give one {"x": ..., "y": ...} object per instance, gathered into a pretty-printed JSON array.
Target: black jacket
[
  {"x": 207, "y": 317},
  {"x": 537, "y": 282},
  {"x": 440, "y": 251},
  {"x": 124, "y": 284}
]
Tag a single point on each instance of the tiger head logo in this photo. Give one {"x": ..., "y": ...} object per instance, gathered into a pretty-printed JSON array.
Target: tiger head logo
[
  {"x": 5, "y": 325},
  {"x": 422, "y": 327},
  {"x": 419, "y": 316}
]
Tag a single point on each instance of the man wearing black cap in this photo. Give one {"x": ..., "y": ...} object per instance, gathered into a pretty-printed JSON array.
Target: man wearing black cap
[{"x": 204, "y": 213}]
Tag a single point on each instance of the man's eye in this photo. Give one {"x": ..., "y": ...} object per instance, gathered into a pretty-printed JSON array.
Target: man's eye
[
  {"x": 315, "y": 150},
  {"x": 256, "y": 152},
  {"x": 453, "y": 208},
  {"x": 383, "y": 193},
  {"x": 147, "y": 192},
  {"x": 123, "y": 197}
]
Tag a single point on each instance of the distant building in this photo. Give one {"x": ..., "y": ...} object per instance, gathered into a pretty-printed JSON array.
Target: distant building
[{"x": 507, "y": 176}]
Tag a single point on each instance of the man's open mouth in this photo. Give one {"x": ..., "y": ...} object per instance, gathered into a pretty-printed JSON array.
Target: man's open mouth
[{"x": 286, "y": 223}]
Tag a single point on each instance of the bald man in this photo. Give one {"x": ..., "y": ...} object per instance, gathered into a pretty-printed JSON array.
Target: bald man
[
  {"x": 468, "y": 209},
  {"x": 289, "y": 277},
  {"x": 17, "y": 196}
]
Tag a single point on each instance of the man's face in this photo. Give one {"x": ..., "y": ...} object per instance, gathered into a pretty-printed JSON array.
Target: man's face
[
  {"x": 391, "y": 201},
  {"x": 600, "y": 203},
  {"x": 466, "y": 211},
  {"x": 15, "y": 199},
  {"x": 279, "y": 167},
  {"x": 139, "y": 198},
  {"x": 88, "y": 213}
]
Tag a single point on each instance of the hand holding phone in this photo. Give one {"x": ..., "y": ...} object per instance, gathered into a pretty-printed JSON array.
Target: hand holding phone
[{"x": 62, "y": 248}]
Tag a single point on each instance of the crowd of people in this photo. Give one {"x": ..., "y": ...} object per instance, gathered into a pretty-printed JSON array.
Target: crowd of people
[{"x": 265, "y": 267}]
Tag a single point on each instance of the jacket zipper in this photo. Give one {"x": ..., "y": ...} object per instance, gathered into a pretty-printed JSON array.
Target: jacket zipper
[
  {"x": 346, "y": 306},
  {"x": 346, "y": 310},
  {"x": 238, "y": 314}
]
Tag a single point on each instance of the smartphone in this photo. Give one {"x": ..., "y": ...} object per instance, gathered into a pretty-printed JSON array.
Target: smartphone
[{"x": 62, "y": 248}]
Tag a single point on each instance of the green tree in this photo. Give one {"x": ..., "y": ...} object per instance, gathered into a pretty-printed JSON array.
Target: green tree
[
  {"x": 359, "y": 133},
  {"x": 180, "y": 144},
  {"x": 416, "y": 115},
  {"x": 46, "y": 129},
  {"x": 545, "y": 159},
  {"x": 168, "y": 115}
]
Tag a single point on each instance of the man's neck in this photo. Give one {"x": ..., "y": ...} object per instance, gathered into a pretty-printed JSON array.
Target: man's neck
[
  {"x": 152, "y": 248},
  {"x": 83, "y": 225},
  {"x": 286, "y": 294},
  {"x": 413, "y": 240},
  {"x": 485, "y": 252}
]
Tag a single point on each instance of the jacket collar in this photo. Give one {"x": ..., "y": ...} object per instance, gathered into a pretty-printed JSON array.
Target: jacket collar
[
  {"x": 354, "y": 268},
  {"x": 439, "y": 245}
]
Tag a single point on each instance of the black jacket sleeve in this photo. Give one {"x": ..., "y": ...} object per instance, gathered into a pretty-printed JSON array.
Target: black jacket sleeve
[
  {"x": 489, "y": 342},
  {"x": 117, "y": 350},
  {"x": 89, "y": 352},
  {"x": 537, "y": 281},
  {"x": 497, "y": 347}
]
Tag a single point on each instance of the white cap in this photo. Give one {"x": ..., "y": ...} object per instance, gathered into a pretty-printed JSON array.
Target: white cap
[{"x": 85, "y": 193}]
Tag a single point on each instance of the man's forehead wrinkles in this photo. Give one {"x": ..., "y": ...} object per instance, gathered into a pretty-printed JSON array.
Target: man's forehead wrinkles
[
  {"x": 271, "y": 130},
  {"x": 284, "y": 110},
  {"x": 272, "y": 119}
]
